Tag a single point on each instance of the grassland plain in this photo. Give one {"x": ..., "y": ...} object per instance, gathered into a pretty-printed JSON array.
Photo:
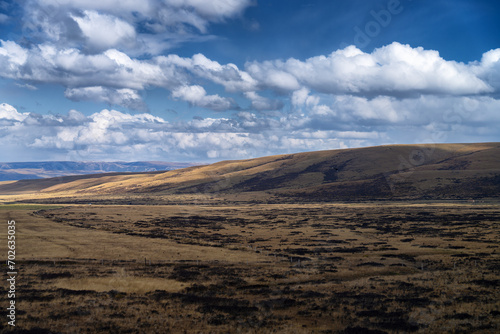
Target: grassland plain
[{"x": 211, "y": 266}]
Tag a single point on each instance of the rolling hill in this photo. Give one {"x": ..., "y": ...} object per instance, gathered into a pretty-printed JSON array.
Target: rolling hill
[{"x": 431, "y": 171}]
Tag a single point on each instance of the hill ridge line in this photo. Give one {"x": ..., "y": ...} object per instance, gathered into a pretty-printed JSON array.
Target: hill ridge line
[{"x": 450, "y": 171}]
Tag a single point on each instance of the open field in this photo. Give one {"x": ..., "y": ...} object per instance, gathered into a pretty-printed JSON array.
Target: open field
[{"x": 288, "y": 268}]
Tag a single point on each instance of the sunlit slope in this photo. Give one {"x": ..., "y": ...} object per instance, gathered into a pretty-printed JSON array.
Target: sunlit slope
[{"x": 395, "y": 171}]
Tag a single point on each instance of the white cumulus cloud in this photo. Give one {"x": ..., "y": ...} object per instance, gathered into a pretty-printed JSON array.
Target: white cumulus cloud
[
  {"x": 104, "y": 31},
  {"x": 101, "y": 24},
  {"x": 197, "y": 96},
  {"x": 263, "y": 103},
  {"x": 8, "y": 112},
  {"x": 394, "y": 70},
  {"x": 123, "y": 97}
]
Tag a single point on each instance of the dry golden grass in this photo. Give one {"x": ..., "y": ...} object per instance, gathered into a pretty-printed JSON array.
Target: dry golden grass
[
  {"x": 393, "y": 267},
  {"x": 120, "y": 283},
  {"x": 41, "y": 239}
]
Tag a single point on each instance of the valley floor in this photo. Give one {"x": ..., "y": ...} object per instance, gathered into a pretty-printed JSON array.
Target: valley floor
[{"x": 256, "y": 268}]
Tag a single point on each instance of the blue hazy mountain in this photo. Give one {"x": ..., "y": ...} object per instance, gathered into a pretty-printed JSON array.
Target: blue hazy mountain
[{"x": 36, "y": 170}]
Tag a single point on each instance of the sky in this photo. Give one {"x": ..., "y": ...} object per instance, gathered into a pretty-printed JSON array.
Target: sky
[{"x": 204, "y": 81}]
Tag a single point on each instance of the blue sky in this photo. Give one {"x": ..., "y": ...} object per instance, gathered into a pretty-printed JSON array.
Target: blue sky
[{"x": 202, "y": 81}]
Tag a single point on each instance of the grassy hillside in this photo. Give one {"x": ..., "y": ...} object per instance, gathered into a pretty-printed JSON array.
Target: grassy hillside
[{"x": 451, "y": 171}]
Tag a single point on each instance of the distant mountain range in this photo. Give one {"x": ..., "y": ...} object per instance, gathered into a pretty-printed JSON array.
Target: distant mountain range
[
  {"x": 37, "y": 170},
  {"x": 394, "y": 172}
]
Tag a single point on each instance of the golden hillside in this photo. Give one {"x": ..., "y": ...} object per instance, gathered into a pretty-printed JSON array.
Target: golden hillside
[{"x": 434, "y": 171}]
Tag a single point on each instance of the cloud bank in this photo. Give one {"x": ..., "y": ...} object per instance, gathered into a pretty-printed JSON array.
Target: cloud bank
[
  {"x": 349, "y": 121},
  {"x": 347, "y": 98},
  {"x": 113, "y": 76}
]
